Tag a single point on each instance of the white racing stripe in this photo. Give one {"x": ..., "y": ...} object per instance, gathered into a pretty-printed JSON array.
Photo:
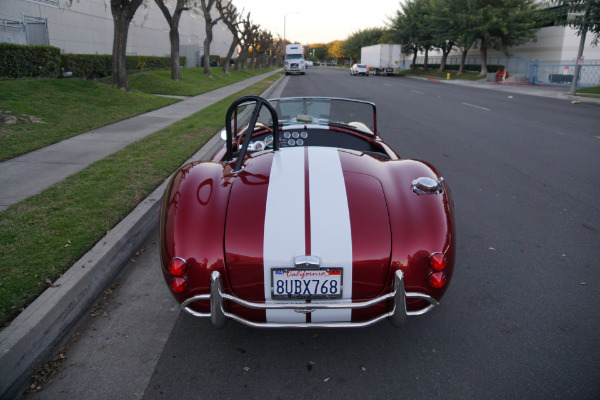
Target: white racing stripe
[
  {"x": 284, "y": 221},
  {"x": 331, "y": 238},
  {"x": 284, "y": 230}
]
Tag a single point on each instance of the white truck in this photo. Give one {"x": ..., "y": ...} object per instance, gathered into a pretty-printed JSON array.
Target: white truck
[
  {"x": 294, "y": 62},
  {"x": 381, "y": 58}
]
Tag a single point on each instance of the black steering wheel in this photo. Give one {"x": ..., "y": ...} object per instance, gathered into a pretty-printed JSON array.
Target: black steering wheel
[{"x": 260, "y": 102}]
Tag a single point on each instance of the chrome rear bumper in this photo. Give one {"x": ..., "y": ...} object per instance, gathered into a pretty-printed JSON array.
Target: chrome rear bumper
[{"x": 219, "y": 316}]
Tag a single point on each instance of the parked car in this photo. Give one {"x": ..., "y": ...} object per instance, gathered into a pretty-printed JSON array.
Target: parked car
[
  {"x": 359, "y": 69},
  {"x": 306, "y": 217}
]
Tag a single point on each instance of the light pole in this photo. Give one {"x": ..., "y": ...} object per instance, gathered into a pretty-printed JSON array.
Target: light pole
[{"x": 284, "y": 17}]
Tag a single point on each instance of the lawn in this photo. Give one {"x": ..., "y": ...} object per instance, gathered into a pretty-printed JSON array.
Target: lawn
[
  {"x": 51, "y": 110},
  {"x": 589, "y": 92},
  {"x": 42, "y": 236}
]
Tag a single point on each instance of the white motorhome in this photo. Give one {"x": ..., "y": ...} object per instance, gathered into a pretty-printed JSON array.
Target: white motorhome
[{"x": 294, "y": 59}]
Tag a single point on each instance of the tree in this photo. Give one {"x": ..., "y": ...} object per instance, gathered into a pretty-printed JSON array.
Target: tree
[
  {"x": 248, "y": 31},
  {"x": 586, "y": 18},
  {"x": 500, "y": 24},
  {"x": 406, "y": 26},
  {"x": 443, "y": 22},
  {"x": 317, "y": 51},
  {"x": 336, "y": 50},
  {"x": 122, "y": 12},
  {"x": 465, "y": 37},
  {"x": 229, "y": 15},
  {"x": 262, "y": 45},
  {"x": 209, "y": 22},
  {"x": 360, "y": 39},
  {"x": 173, "y": 22},
  {"x": 277, "y": 51}
]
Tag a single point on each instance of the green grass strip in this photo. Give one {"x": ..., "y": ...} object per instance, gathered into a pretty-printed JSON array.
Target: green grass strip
[
  {"x": 44, "y": 235},
  {"x": 593, "y": 92},
  {"x": 63, "y": 108}
]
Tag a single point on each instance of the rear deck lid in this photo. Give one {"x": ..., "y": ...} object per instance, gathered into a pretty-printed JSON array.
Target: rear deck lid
[{"x": 298, "y": 202}]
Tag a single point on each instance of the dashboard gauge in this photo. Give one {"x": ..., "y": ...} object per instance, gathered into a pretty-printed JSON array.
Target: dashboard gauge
[
  {"x": 287, "y": 135},
  {"x": 291, "y": 142},
  {"x": 259, "y": 146},
  {"x": 295, "y": 135},
  {"x": 300, "y": 142},
  {"x": 303, "y": 135}
]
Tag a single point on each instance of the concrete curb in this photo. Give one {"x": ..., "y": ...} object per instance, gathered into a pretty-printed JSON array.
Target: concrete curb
[{"x": 35, "y": 335}]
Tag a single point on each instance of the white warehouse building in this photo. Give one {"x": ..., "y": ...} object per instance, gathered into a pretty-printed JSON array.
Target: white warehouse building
[{"x": 86, "y": 27}]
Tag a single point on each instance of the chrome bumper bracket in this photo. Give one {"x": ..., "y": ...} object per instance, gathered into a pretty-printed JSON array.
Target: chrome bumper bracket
[{"x": 219, "y": 315}]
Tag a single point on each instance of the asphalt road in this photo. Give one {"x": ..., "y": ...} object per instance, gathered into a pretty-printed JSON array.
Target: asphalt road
[{"x": 520, "y": 319}]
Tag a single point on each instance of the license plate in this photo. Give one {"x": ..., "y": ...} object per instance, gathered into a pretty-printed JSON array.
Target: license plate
[{"x": 294, "y": 283}]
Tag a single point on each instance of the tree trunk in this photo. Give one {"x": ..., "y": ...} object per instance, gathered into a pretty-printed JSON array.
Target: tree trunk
[
  {"x": 173, "y": 22},
  {"x": 207, "y": 41},
  {"x": 236, "y": 66},
  {"x": 123, "y": 12},
  {"x": 119, "y": 66},
  {"x": 443, "y": 62},
  {"x": 414, "y": 66},
  {"x": 483, "y": 52},
  {"x": 463, "y": 60},
  {"x": 445, "y": 51},
  {"x": 174, "y": 37},
  {"x": 225, "y": 67}
]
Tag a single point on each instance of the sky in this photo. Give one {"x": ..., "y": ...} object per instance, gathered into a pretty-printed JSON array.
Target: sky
[{"x": 318, "y": 21}]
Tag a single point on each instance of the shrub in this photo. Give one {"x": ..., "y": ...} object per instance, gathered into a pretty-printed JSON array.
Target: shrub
[
  {"x": 29, "y": 61},
  {"x": 26, "y": 61}
]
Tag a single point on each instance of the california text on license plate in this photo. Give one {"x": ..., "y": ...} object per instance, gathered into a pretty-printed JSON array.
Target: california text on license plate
[{"x": 294, "y": 283}]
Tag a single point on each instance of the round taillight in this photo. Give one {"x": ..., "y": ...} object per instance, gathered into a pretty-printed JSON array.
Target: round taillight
[
  {"x": 437, "y": 261},
  {"x": 178, "y": 284},
  {"x": 437, "y": 280},
  {"x": 177, "y": 267}
]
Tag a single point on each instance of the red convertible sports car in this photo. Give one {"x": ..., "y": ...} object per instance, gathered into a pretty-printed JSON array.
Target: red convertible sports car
[{"x": 306, "y": 218}]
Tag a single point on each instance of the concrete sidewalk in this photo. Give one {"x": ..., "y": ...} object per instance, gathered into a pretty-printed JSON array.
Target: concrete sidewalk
[
  {"x": 548, "y": 91},
  {"x": 31, "y": 173}
]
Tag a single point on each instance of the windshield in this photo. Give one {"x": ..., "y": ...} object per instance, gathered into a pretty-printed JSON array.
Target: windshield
[
  {"x": 323, "y": 111},
  {"x": 293, "y": 56}
]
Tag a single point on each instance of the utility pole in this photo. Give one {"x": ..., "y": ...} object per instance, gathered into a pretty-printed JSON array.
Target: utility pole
[{"x": 584, "y": 29}]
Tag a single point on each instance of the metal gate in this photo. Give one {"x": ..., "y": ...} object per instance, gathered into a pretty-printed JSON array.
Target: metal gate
[
  {"x": 192, "y": 54},
  {"x": 36, "y": 30},
  {"x": 562, "y": 72},
  {"x": 536, "y": 72},
  {"x": 12, "y": 31}
]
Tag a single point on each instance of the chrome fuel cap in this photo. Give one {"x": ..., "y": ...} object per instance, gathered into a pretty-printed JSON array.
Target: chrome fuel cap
[{"x": 426, "y": 185}]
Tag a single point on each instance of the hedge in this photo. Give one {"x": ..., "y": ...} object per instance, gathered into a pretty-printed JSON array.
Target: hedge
[
  {"x": 21, "y": 61},
  {"x": 24, "y": 61}
]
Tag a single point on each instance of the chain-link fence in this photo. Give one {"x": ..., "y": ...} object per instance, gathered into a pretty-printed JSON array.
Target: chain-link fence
[
  {"x": 12, "y": 31},
  {"x": 32, "y": 30},
  {"x": 36, "y": 30},
  {"x": 522, "y": 69},
  {"x": 561, "y": 72}
]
